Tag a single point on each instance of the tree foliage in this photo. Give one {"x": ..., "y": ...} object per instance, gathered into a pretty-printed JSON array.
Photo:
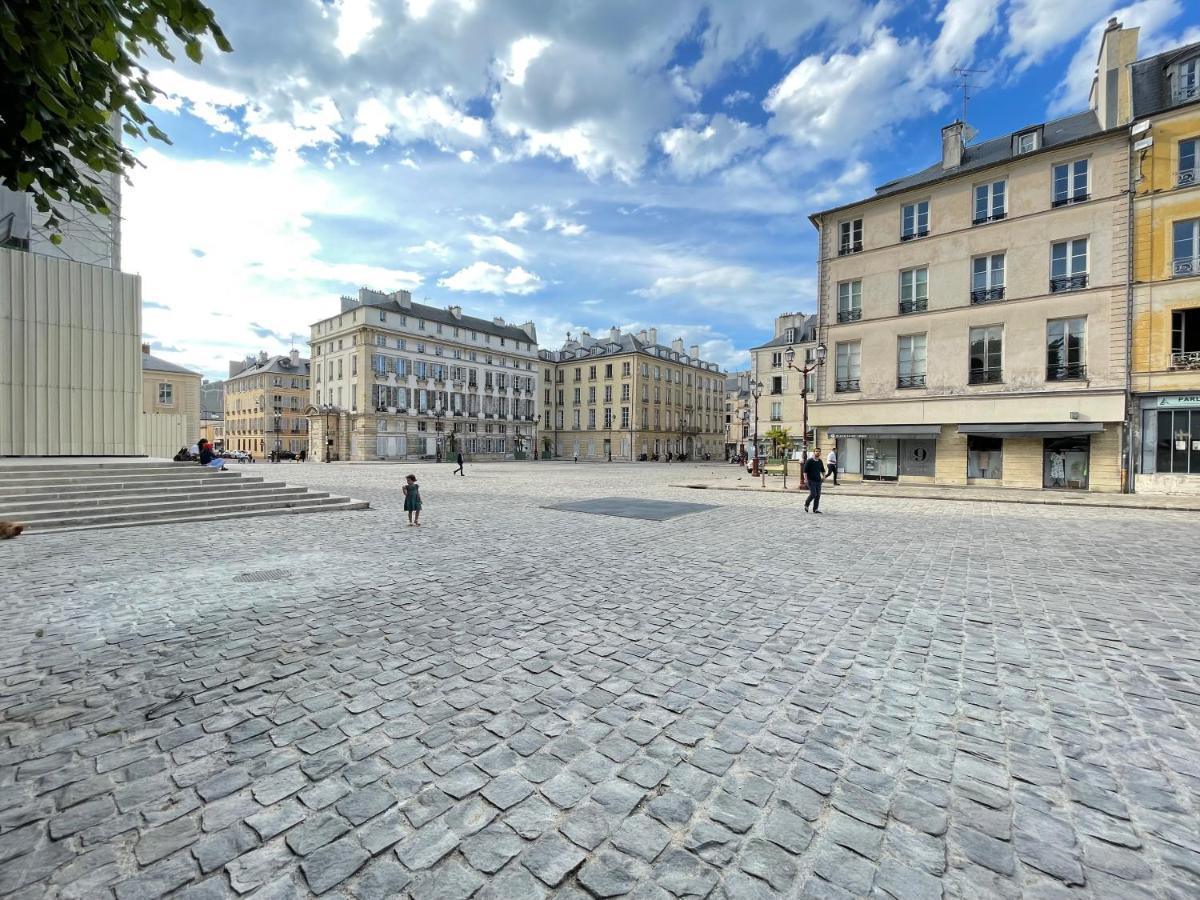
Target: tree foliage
[
  {"x": 69, "y": 71},
  {"x": 779, "y": 438}
]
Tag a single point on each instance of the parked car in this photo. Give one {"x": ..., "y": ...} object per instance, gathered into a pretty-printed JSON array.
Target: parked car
[
  {"x": 762, "y": 463},
  {"x": 284, "y": 454}
]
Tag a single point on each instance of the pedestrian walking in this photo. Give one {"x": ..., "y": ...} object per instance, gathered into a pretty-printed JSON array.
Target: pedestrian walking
[
  {"x": 459, "y": 470},
  {"x": 412, "y": 501},
  {"x": 814, "y": 471},
  {"x": 831, "y": 465}
]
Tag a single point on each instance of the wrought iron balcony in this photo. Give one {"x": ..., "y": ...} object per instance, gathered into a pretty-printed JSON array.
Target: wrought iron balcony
[
  {"x": 1068, "y": 372},
  {"x": 994, "y": 217},
  {"x": 1185, "y": 177},
  {"x": 1067, "y": 201},
  {"x": 986, "y": 376},
  {"x": 988, "y": 295},
  {"x": 919, "y": 304},
  {"x": 910, "y": 381},
  {"x": 1185, "y": 266},
  {"x": 849, "y": 315},
  {"x": 847, "y": 249},
  {"x": 1068, "y": 283},
  {"x": 913, "y": 235},
  {"x": 847, "y": 385},
  {"x": 1189, "y": 359}
]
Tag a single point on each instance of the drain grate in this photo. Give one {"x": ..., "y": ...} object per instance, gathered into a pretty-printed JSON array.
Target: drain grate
[{"x": 265, "y": 575}]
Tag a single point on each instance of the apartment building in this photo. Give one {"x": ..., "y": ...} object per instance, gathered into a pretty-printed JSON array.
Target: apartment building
[
  {"x": 171, "y": 389},
  {"x": 624, "y": 396},
  {"x": 975, "y": 312},
  {"x": 265, "y": 401},
  {"x": 738, "y": 409},
  {"x": 394, "y": 379},
  {"x": 1165, "y": 359},
  {"x": 784, "y": 389}
]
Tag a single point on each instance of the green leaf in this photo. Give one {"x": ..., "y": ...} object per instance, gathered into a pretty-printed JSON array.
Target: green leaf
[
  {"x": 32, "y": 130},
  {"x": 194, "y": 51},
  {"x": 105, "y": 48},
  {"x": 56, "y": 239}
]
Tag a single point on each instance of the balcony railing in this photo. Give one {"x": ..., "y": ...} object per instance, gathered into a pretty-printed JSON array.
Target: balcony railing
[
  {"x": 910, "y": 381},
  {"x": 1068, "y": 283},
  {"x": 994, "y": 217},
  {"x": 1187, "y": 266},
  {"x": 1188, "y": 359},
  {"x": 988, "y": 295},
  {"x": 1069, "y": 372},
  {"x": 847, "y": 249},
  {"x": 1186, "y": 176},
  {"x": 776, "y": 418},
  {"x": 913, "y": 235},
  {"x": 849, "y": 315},
  {"x": 1185, "y": 92},
  {"x": 845, "y": 385},
  {"x": 920, "y": 304},
  {"x": 986, "y": 376},
  {"x": 1073, "y": 198}
]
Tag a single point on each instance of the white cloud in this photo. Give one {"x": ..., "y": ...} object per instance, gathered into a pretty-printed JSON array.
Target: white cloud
[
  {"x": 737, "y": 97},
  {"x": 483, "y": 243},
  {"x": 467, "y": 156},
  {"x": 356, "y": 22},
  {"x": 1036, "y": 27},
  {"x": 963, "y": 23},
  {"x": 486, "y": 278},
  {"x": 704, "y": 144},
  {"x": 516, "y": 222},
  {"x": 551, "y": 221},
  {"x": 523, "y": 52},
  {"x": 432, "y": 248}
]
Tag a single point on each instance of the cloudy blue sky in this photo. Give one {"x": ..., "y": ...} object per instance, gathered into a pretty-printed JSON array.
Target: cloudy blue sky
[{"x": 583, "y": 164}]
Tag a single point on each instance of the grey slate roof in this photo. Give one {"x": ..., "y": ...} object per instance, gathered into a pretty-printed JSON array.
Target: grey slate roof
[
  {"x": 625, "y": 343},
  {"x": 807, "y": 334},
  {"x": 444, "y": 316},
  {"x": 276, "y": 365},
  {"x": 1151, "y": 89},
  {"x": 154, "y": 364}
]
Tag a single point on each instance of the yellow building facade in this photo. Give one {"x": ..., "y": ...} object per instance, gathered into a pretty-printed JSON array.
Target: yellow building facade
[
  {"x": 625, "y": 397},
  {"x": 1165, "y": 332},
  {"x": 265, "y": 400}
]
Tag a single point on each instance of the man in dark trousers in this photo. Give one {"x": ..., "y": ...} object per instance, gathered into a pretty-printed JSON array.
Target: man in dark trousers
[
  {"x": 459, "y": 470},
  {"x": 814, "y": 471}
]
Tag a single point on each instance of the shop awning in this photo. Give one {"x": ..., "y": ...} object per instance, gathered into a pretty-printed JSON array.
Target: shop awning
[
  {"x": 1033, "y": 429},
  {"x": 885, "y": 431}
]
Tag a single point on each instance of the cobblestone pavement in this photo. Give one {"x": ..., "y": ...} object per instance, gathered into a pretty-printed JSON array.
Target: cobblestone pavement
[{"x": 892, "y": 700}]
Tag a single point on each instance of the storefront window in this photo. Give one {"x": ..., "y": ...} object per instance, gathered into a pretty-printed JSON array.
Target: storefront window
[
  {"x": 1178, "y": 451},
  {"x": 985, "y": 457},
  {"x": 1065, "y": 462},
  {"x": 849, "y": 455}
]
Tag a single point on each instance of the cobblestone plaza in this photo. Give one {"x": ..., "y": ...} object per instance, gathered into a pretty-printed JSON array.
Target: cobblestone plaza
[{"x": 896, "y": 699}]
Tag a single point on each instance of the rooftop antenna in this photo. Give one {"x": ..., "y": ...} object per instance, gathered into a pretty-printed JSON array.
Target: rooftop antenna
[{"x": 964, "y": 75}]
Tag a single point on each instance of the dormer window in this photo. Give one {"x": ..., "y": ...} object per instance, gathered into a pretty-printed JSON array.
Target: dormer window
[
  {"x": 1187, "y": 80},
  {"x": 1026, "y": 142}
]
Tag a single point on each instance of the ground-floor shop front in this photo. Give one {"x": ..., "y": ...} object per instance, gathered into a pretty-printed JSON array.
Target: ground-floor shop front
[
  {"x": 341, "y": 435},
  {"x": 1167, "y": 440},
  {"x": 1080, "y": 456},
  {"x": 604, "y": 446}
]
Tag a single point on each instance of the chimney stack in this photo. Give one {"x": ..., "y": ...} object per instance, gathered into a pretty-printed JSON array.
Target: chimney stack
[
  {"x": 262, "y": 357},
  {"x": 652, "y": 335},
  {"x": 694, "y": 352},
  {"x": 146, "y": 348},
  {"x": 677, "y": 345},
  {"x": 295, "y": 358},
  {"x": 614, "y": 334},
  {"x": 952, "y": 145},
  {"x": 456, "y": 311},
  {"x": 1112, "y": 86}
]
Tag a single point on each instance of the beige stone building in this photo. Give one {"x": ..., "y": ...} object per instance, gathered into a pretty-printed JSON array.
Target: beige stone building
[
  {"x": 783, "y": 389},
  {"x": 625, "y": 396},
  {"x": 212, "y": 429},
  {"x": 394, "y": 379},
  {"x": 975, "y": 312},
  {"x": 170, "y": 405},
  {"x": 265, "y": 401},
  {"x": 738, "y": 407}
]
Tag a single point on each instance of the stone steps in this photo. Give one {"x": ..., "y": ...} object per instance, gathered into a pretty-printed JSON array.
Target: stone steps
[{"x": 57, "y": 497}]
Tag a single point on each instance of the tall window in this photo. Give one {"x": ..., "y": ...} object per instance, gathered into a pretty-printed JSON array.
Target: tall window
[
  {"x": 592, "y": 419},
  {"x": 777, "y": 411},
  {"x": 910, "y": 370},
  {"x": 987, "y": 354},
  {"x": 1185, "y": 338},
  {"x": 608, "y": 393},
  {"x": 1178, "y": 450},
  {"x": 625, "y": 420},
  {"x": 985, "y": 457},
  {"x": 777, "y": 384},
  {"x": 991, "y": 202},
  {"x": 914, "y": 220},
  {"x": 166, "y": 394},
  {"x": 849, "y": 301},
  {"x": 608, "y": 420},
  {"x": 850, "y": 237},
  {"x": 1066, "y": 349},
  {"x": 987, "y": 278},
  {"x": 1187, "y": 162},
  {"x": 1187, "y": 80},
  {"x": 1068, "y": 265},
  {"x": 776, "y": 360},
  {"x": 1186, "y": 243},
  {"x": 914, "y": 290},
  {"x": 849, "y": 355},
  {"x": 1071, "y": 182}
]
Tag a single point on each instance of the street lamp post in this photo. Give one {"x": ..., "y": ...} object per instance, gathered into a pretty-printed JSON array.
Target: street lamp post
[
  {"x": 756, "y": 390},
  {"x": 789, "y": 356},
  {"x": 438, "y": 414}
]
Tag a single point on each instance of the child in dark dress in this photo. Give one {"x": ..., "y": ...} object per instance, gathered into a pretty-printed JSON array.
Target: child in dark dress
[{"x": 412, "y": 501}]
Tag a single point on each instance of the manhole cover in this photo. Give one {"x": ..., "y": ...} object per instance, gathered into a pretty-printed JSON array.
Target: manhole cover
[
  {"x": 265, "y": 575},
  {"x": 633, "y": 508}
]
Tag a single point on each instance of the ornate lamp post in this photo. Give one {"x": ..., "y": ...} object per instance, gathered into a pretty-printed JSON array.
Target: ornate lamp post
[
  {"x": 756, "y": 390},
  {"x": 438, "y": 414},
  {"x": 789, "y": 356}
]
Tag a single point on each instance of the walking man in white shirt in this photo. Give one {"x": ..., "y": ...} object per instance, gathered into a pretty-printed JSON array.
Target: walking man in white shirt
[{"x": 831, "y": 463}]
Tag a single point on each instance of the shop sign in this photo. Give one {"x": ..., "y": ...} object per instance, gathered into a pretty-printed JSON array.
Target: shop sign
[{"x": 1183, "y": 401}]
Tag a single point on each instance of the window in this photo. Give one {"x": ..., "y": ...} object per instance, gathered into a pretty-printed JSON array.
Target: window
[
  {"x": 850, "y": 237},
  {"x": 575, "y": 420},
  {"x": 625, "y": 370},
  {"x": 608, "y": 419},
  {"x": 591, "y": 373},
  {"x": 608, "y": 393},
  {"x": 1066, "y": 353},
  {"x": 990, "y": 202},
  {"x": 1178, "y": 447},
  {"x": 1187, "y": 162},
  {"x": 777, "y": 384},
  {"x": 777, "y": 411},
  {"x": 592, "y": 419},
  {"x": 910, "y": 371},
  {"x": 848, "y": 357},
  {"x": 1185, "y": 338},
  {"x": 985, "y": 457},
  {"x": 592, "y": 395},
  {"x": 776, "y": 360},
  {"x": 625, "y": 420},
  {"x": 914, "y": 290},
  {"x": 1186, "y": 243},
  {"x": 1071, "y": 182},
  {"x": 1065, "y": 462},
  {"x": 986, "y": 353},
  {"x": 914, "y": 220},
  {"x": 987, "y": 278},
  {"x": 576, "y": 399},
  {"x": 1025, "y": 143},
  {"x": 166, "y": 394},
  {"x": 1187, "y": 80},
  {"x": 625, "y": 392},
  {"x": 849, "y": 301},
  {"x": 1068, "y": 265},
  {"x": 608, "y": 370}
]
